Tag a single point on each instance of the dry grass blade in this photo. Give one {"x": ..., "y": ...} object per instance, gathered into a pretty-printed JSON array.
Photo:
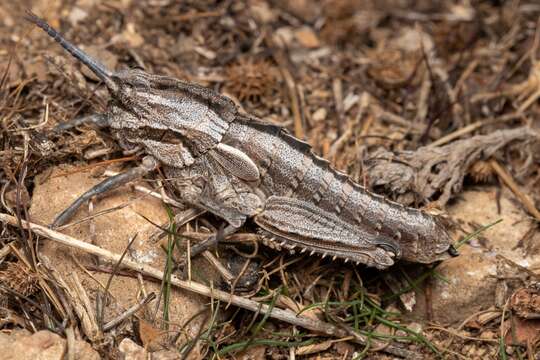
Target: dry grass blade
[
  {"x": 474, "y": 126},
  {"x": 509, "y": 181},
  {"x": 281, "y": 59}
]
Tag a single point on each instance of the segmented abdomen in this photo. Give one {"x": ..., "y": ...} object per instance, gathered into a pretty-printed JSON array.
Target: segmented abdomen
[{"x": 289, "y": 168}]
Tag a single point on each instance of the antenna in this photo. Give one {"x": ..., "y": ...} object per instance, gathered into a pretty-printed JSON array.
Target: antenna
[{"x": 95, "y": 66}]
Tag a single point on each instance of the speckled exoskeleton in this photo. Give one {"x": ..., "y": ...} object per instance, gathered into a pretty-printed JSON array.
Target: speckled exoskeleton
[{"x": 239, "y": 167}]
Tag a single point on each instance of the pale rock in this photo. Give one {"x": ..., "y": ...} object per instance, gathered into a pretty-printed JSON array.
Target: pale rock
[
  {"x": 283, "y": 36},
  {"x": 252, "y": 353},
  {"x": 5, "y": 18},
  {"x": 77, "y": 14},
  {"x": 36, "y": 68},
  {"x": 42, "y": 345},
  {"x": 87, "y": 4},
  {"x": 487, "y": 335},
  {"x": 319, "y": 115},
  {"x": 135, "y": 214},
  {"x": 84, "y": 351},
  {"x": 470, "y": 280},
  {"x": 227, "y": 21},
  {"x": 416, "y": 327},
  {"x": 133, "y": 38},
  {"x": 469, "y": 287},
  {"x": 307, "y": 38},
  {"x": 129, "y": 350},
  {"x": 169, "y": 355},
  {"x": 411, "y": 39},
  {"x": 130, "y": 36},
  {"x": 350, "y": 100},
  {"x": 480, "y": 207},
  {"x": 461, "y": 12},
  {"x": 307, "y": 10},
  {"x": 262, "y": 12}
]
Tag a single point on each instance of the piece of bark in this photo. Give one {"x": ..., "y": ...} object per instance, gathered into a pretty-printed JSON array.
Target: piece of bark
[{"x": 434, "y": 173}]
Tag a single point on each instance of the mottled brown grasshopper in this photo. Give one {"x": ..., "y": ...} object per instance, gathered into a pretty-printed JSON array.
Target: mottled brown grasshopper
[{"x": 239, "y": 167}]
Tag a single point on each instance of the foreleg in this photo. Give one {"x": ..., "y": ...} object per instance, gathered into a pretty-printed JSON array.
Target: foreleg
[{"x": 99, "y": 120}]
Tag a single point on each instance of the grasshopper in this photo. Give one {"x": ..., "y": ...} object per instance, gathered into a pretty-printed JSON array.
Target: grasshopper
[{"x": 239, "y": 167}]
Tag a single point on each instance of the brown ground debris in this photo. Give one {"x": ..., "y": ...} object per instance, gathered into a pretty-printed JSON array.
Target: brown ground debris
[{"x": 432, "y": 104}]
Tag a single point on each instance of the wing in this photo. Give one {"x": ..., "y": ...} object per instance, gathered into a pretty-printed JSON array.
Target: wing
[{"x": 235, "y": 162}]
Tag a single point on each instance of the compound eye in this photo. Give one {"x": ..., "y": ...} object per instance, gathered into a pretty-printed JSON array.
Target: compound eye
[{"x": 129, "y": 89}]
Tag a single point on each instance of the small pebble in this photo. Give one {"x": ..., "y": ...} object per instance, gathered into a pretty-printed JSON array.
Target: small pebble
[{"x": 319, "y": 115}]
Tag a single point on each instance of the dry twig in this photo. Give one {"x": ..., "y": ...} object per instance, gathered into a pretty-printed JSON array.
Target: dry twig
[
  {"x": 280, "y": 314},
  {"x": 509, "y": 181}
]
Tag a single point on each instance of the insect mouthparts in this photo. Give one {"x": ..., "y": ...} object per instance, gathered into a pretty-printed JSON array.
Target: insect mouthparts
[
  {"x": 453, "y": 251},
  {"x": 95, "y": 66}
]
